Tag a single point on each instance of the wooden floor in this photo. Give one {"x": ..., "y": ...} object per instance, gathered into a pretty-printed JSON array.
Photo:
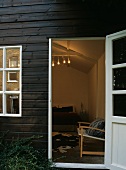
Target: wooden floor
[{"x": 73, "y": 155}]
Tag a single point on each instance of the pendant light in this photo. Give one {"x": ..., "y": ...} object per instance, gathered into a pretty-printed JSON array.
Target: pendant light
[{"x": 58, "y": 62}]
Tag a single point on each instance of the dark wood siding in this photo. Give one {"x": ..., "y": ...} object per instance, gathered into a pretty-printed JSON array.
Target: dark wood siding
[{"x": 31, "y": 23}]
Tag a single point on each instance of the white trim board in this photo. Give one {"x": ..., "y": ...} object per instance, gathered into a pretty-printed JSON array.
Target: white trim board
[{"x": 79, "y": 165}]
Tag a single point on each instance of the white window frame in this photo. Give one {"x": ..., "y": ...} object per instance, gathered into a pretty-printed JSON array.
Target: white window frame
[{"x": 4, "y": 92}]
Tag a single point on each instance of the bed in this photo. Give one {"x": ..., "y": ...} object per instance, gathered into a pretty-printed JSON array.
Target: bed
[{"x": 64, "y": 119}]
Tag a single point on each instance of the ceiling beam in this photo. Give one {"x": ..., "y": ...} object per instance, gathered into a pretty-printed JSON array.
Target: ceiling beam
[{"x": 71, "y": 52}]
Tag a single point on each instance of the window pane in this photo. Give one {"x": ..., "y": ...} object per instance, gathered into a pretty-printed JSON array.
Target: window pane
[
  {"x": 119, "y": 105},
  {"x": 1, "y": 76},
  {"x": 119, "y": 79},
  {"x": 1, "y": 58},
  {"x": 119, "y": 51},
  {"x": 12, "y": 78},
  {"x": 13, "y": 57},
  {"x": 1, "y": 104},
  {"x": 12, "y": 103}
]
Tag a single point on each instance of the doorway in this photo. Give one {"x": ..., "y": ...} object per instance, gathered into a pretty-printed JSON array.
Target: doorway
[{"x": 77, "y": 70}]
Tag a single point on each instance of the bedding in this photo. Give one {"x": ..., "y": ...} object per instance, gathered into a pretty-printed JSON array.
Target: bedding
[
  {"x": 64, "y": 119},
  {"x": 98, "y": 123}
]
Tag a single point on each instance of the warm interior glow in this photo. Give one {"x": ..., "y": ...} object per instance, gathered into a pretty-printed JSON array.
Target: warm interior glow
[
  {"x": 64, "y": 61},
  {"x": 68, "y": 60},
  {"x": 58, "y": 62},
  {"x": 53, "y": 63}
]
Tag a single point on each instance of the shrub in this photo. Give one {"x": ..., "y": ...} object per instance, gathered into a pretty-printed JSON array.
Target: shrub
[{"x": 20, "y": 155}]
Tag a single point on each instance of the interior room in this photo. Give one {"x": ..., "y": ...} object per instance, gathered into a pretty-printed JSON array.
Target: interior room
[{"x": 78, "y": 91}]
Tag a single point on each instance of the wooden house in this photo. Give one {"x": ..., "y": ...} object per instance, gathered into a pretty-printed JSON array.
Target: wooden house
[{"x": 27, "y": 30}]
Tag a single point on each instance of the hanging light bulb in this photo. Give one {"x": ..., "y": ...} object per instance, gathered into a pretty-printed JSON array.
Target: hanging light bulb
[
  {"x": 53, "y": 64},
  {"x": 58, "y": 62},
  {"x": 68, "y": 60},
  {"x": 68, "y": 43},
  {"x": 64, "y": 61}
]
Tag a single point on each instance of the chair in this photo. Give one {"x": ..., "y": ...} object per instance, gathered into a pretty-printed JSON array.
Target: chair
[{"x": 82, "y": 132}]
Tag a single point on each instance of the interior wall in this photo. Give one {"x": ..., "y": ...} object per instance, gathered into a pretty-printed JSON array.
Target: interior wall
[
  {"x": 101, "y": 88},
  {"x": 69, "y": 87},
  {"x": 96, "y": 90},
  {"x": 92, "y": 92}
]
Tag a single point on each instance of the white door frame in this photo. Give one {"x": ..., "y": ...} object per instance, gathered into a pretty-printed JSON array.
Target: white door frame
[
  {"x": 63, "y": 165},
  {"x": 110, "y": 119}
]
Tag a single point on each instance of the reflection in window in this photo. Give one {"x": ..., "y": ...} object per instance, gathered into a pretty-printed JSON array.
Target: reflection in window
[
  {"x": 1, "y": 103},
  {"x": 119, "y": 105},
  {"x": 12, "y": 57},
  {"x": 12, "y": 83},
  {"x": 13, "y": 104},
  {"x": 13, "y": 62},
  {"x": 1, "y": 77},
  {"x": 119, "y": 79},
  {"x": 1, "y": 58},
  {"x": 119, "y": 51},
  {"x": 12, "y": 76}
]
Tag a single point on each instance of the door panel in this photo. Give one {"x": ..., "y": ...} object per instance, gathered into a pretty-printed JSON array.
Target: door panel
[
  {"x": 119, "y": 144},
  {"x": 116, "y": 167},
  {"x": 116, "y": 101}
]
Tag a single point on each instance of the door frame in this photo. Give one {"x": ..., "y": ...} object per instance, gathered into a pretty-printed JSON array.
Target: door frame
[
  {"x": 109, "y": 110},
  {"x": 65, "y": 165}
]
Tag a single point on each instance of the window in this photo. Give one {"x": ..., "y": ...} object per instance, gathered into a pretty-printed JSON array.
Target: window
[
  {"x": 10, "y": 80},
  {"x": 119, "y": 77}
]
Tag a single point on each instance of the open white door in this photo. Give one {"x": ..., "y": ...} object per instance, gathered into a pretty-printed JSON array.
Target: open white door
[{"x": 115, "y": 157}]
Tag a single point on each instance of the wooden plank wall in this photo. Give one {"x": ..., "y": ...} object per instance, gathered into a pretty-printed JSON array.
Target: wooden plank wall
[{"x": 31, "y": 23}]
